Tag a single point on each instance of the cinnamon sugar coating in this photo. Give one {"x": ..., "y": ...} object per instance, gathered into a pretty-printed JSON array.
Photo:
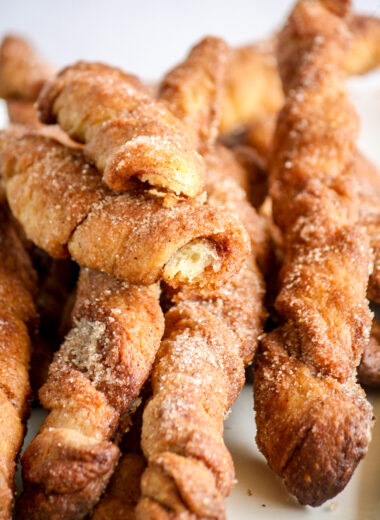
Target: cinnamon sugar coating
[
  {"x": 65, "y": 208},
  {"x": 123, "y": 491},
  {"x": 18, "y": 319},
  {"x": 197, "y": 376},
  {"x": 321, "y": 300},
  {"x": 126, "y": 133},
  {"x": 94, "y": 381},
  {"x": 209, "y": 337},
  {"x": 192, "y": 91},
  {"x": 313, "y": 430}
]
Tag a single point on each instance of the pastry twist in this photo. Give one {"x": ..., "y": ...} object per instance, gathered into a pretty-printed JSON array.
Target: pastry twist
[
  {"x": 126, "y": 133},
  {"x": 93, "y": 387},
  {"x": 65, "y": 208},
  {"x": 313, "y": 421}
]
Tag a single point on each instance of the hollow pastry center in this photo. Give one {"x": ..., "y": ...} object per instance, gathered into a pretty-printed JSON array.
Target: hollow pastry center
[{"x": 189, "y": 263}]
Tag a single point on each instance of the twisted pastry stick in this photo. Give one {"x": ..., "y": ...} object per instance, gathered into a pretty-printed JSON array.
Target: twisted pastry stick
[
  {"x": 199, "y": 371},
  {"x": 253, "y": 87},
  {"x": 192, "y": 91},
  {"x": 313, "y": 422},
  {"x": 22, "y": 72},
  {"x": 65, "y": 208},
  {"x": 93, "y": 384},
  {"x": 18, "y": 318},
  {"x": 187, "y": 90},
  {"x": 123, "y": 491},
  {"x": 126, "y": 133},
  {"x": 209, "y": 337},
  {"x": 368, "y": 180},
  {"x": 197, "y": 376}
]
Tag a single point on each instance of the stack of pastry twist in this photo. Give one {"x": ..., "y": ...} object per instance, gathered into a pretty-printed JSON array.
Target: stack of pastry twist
[{"x": 179, "y": 207}]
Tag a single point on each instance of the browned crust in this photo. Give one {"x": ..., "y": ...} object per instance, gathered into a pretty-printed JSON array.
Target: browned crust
[
  {"x": 183, "y": 423},
  {"x": 64, "y": 207},
  {"x": 193, "y": 89},
  {"x": 313, "y": 423},
  {"x": 123, "y": 491},
  {"x": 18, "y": 318},
  {"x": 126, "y": 133},
  {"x": 312, "y": 430},
  {"x": 213, "y": 333},
  {"x": 95, "y": 379}
]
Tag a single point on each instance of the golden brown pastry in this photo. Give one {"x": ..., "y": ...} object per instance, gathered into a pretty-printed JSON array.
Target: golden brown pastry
[
  {"x": 253, "y": 87},
  {"x": 66, "y": 209},
  {"x": 123, "y": 491},
  {"x": 126, "y": 133},
  {"x": 190, "y": 470},
  {"x": 313, "y": 422},
  {"x": 18, "y": 318},
  {"x": 93, "y": 386},
  {"x": 22, "y": 72},
  {"x": 209, "y": 337},
  {"x": 364, "y": 54},
  {"x": 192, "y": 91},
  {"x": 22, "y": 112}
]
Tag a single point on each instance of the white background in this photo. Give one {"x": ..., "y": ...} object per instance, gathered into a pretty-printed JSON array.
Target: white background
[{"x": 145, "y": 37}]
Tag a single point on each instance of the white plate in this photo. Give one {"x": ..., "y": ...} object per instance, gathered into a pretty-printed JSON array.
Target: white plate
[{"x": 259, "y": 493}]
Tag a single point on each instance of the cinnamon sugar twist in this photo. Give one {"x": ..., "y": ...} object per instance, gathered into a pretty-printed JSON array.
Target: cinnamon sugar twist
[
  {"x": 193, "y": 90},
  {"x": 93, "y": 387},
  {"x": 126, "y": 133},
  {"x": 66, "y": 209},
  {"x": 313, "y": 422},
  {"x": 209, "y": 337}
]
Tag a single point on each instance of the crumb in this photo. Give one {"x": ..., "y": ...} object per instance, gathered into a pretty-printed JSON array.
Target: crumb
[
  {"x": 333, "y": 506},
  {"x": 249, "y": 492}
]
